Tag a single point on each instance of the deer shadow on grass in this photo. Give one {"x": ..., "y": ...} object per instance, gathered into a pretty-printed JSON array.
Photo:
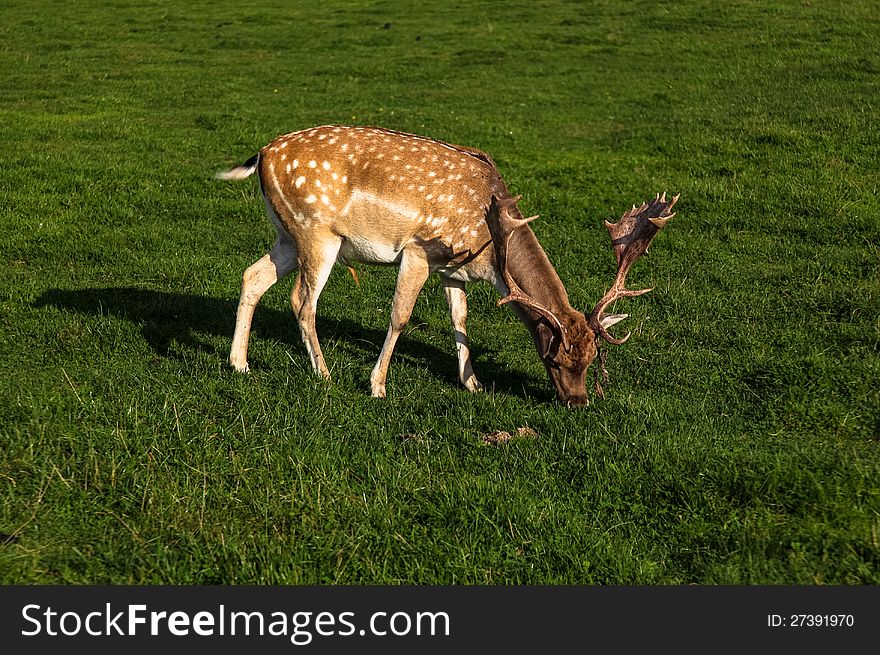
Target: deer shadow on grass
[{"x": 167, "y": 318}]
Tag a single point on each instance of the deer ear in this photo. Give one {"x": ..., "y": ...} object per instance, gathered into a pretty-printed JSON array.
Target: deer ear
[
  {"x": 612, "y": 319},
  {"x": 546, "y": 336}
]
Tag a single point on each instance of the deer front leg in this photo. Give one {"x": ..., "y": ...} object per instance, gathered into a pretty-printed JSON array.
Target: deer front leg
[
  {"x": 411, "y": 278},
  {"x": 455, "y": 296},
  {"x": 255, "y": 282},
  {"x": 316, "y": 259}
]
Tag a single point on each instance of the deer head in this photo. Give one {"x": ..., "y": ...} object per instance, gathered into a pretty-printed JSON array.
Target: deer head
[{"x": 568, "y": 341}]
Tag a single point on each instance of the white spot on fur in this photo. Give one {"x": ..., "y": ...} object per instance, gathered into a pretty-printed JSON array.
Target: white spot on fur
[
  {"x": 300, "y": 181},
  {"x": 310, "y": 199},
  {"x": 326, "y": 165}
]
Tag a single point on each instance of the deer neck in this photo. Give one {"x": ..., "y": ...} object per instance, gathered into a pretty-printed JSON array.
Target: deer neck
[{"x": 532, "y": 271}]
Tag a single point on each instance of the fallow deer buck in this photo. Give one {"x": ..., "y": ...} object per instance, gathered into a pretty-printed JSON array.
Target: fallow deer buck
[{"x": 370, "y": 195}]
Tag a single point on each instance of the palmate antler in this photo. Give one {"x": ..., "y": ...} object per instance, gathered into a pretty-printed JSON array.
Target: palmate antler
[
  {"x": 502, "y": 223},
  {"x": 630, "y": 238}
]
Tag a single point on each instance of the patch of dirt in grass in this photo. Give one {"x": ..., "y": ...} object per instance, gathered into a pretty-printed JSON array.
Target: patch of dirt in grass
[
  {"x": 494, "y": 438},
  {"x": 503, "y": 436}
]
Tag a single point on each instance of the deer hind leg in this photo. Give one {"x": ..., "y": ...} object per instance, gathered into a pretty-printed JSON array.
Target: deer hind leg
[
  {"x": 256, "y": 280},
  {"x": 411, "y": 278},
  {"x": 316, "y": 259},
  {"x": 455, "y": 296}
]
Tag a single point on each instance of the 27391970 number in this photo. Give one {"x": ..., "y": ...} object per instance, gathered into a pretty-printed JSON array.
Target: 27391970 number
[{"x": 821, "y": 620}]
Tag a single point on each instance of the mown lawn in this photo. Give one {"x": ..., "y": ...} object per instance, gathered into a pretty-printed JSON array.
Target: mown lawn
[{"x": 738, "y": 440}]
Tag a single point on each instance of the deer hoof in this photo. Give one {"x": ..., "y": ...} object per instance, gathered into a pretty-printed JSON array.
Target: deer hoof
[
  {"x": 241, "y": 367},
  {"x": 378, "y": 391},
  {"x": 473, "y": 385}
]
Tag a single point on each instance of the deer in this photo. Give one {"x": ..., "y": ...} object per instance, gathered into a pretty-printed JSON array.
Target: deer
[{"x": 340, "y": 194}]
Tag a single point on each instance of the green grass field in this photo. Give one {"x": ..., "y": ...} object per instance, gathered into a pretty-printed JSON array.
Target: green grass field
[{"x": 738, "y": 441}]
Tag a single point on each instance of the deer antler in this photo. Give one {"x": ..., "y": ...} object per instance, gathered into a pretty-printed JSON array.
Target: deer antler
[
  {"x": 630, "y": 238},
  {"x": 502, "y": 224}
]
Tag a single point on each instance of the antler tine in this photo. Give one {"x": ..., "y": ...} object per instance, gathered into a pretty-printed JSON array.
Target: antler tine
[
  {"x": 506, "y": 204},
  {"x": 630, "y": 238},
  {"x": 502, "y": 229}
]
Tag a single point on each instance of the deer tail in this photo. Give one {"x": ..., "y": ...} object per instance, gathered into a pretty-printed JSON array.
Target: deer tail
[{"x": 240, "y": 172}]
